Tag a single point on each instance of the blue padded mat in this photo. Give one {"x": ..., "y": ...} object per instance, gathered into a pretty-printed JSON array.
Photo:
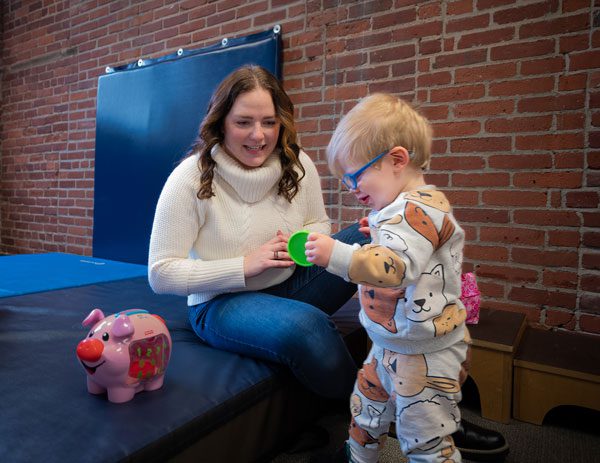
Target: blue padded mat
[{"x": 32, "y": 273}]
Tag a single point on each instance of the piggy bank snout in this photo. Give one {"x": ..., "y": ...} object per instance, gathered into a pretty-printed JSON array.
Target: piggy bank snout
[{"x": 90, "y": 350}]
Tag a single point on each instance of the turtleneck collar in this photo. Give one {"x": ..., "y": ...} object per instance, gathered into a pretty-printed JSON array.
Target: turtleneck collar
[{"x": 250, "y": 184}]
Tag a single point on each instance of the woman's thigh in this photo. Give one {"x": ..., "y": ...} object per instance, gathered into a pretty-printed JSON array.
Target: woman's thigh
[
  {"x": 280, "y": 330},
  {"x": 251, "y": 322}
]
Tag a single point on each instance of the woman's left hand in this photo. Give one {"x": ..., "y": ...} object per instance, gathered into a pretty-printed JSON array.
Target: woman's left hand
[
  {"x": 363, "y": 227},
  {"x": 319, "y": 248},
  {"x": 271, "y": 254}
]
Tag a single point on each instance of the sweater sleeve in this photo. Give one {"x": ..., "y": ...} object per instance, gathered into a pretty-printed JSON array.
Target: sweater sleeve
[
  {"x": 316, "y": 219},
  {"x": 177, "y": 220},
  {"x": 341, "y": 257}
]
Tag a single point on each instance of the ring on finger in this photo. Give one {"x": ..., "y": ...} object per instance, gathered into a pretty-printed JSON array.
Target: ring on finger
[{"x": 276, "y": 254}]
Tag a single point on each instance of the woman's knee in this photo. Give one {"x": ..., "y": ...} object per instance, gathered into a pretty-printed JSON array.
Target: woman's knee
[
  {"x": 311, "y": 337},
  {"x": 307, "y": 331}
]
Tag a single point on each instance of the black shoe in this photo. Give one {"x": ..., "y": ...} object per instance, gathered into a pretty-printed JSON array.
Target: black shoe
[{"x": 479, "y": 444}]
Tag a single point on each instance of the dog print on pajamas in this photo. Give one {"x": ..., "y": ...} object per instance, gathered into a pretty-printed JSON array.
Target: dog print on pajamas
[
  {"x": 428, "y": 298},
  {"x": 440, "y": 411},
  {"x": 452, "y": 317},
  {"x": 422, "y": 223},
  {"x": 376, "y": 265},
  {"x": 360, "y": 435},
  {"x": 432, "y": 198},
  {"x": 355, "y": 405},
  {"x": 369, "y": 384},
  {"x": 379, "y": 304}
]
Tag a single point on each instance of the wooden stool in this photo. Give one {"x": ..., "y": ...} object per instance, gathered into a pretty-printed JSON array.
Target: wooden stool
[
  {"x": 495, "y": 341},
  {"x": 555, "y": 368}
]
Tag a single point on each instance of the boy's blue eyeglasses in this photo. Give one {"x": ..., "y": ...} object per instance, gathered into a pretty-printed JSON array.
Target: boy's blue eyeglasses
[{"x": 351, "y": 180}]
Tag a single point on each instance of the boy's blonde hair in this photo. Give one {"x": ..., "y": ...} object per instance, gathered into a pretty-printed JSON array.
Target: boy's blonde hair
[{"x": 376, "y": 124}]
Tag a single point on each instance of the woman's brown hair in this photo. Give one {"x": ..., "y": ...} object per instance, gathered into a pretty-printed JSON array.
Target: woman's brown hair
[{"x": 211, "y": 133}]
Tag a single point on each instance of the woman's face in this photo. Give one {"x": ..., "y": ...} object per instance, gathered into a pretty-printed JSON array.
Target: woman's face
[{"x": 251, "y": 128}]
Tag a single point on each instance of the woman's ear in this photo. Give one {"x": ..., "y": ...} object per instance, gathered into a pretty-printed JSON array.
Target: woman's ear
[{"x": 400, "y": 157}]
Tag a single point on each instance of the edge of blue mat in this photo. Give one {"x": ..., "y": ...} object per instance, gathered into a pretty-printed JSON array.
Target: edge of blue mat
[{"x": 31, "y": 273}]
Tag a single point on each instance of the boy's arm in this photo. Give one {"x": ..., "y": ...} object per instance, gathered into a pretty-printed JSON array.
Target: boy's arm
[
  {"x": 322, "y": 250},
  {"x": 371, "y": 264},
  {"x": 407, "y": 241},
  {"x": 397, "y": 261}
]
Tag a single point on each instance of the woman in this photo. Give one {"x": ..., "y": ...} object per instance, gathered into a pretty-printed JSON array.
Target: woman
[{"x": 220, "y": 234}]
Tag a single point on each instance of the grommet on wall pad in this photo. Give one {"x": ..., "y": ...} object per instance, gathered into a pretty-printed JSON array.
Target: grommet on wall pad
[
  {"x": 140, "y": 62},
  {"x": 276, "y": 29},
  {"x": 108, "y": 70},
  {"x": 180, "y": 52},
  {"x": 224, "y": 42}
]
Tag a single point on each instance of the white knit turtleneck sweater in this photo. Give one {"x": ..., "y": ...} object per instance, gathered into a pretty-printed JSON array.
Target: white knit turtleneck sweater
[{"x": 197, "y": 247}]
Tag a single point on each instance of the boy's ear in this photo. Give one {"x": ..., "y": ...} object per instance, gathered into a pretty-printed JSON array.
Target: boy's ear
[{"x": 400, "y": 157}]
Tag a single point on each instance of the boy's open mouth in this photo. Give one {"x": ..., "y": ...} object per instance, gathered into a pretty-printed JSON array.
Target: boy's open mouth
[{"x": 363, "y": 199}]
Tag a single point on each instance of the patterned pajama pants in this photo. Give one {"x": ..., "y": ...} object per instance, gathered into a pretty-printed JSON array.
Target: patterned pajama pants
[{"x": 420, "y": 392}]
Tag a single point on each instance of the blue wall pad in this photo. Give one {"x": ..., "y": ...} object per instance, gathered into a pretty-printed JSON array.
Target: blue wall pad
[
  {"x": 48, "y": 415},
  {"x": 148, "y": 115},
  {"x": 32, "y": 273}
]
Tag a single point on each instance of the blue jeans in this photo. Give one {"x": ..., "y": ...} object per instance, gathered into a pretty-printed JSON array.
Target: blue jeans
[{"x": 288, "y": 324}]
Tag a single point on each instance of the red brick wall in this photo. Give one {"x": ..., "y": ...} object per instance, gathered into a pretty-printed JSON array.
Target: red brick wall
[{"x": 512, "y": 88}]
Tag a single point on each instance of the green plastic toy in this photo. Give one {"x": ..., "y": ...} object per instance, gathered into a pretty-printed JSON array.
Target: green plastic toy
[{"x": 295, "y": 247}]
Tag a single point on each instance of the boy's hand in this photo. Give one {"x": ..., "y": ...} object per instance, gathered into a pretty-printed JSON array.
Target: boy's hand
[{"x": 319, "y": 248}]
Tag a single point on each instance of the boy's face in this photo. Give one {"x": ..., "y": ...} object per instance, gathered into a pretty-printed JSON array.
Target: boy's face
[{"x": 378, "y": 185}]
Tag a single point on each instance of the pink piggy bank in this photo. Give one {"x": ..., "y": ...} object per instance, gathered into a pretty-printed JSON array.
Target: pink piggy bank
[{"x": 124, "y": 353}]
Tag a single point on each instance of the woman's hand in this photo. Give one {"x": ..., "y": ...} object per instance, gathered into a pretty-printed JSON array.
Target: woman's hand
[
  {"x": 319, "y": 248},
  {"x": 271, "y": 254},
  {"x": 363, "y": 227}
]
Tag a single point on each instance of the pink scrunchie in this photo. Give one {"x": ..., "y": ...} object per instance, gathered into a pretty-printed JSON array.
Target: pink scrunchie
[{"x": 470, "y": 297}]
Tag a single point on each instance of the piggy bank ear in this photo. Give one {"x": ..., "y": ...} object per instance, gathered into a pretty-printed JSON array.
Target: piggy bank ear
[
  {"x": 122, "y": 326},
  {"x": 94, "y": 317}
]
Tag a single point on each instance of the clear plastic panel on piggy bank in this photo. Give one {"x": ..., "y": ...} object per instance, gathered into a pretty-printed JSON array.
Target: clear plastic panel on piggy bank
[
  {"x": 148, "y": 358},
  {"x": 124, "y": 353}
]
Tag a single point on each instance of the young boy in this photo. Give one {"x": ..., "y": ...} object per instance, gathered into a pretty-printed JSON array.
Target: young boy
[{"x": 409, "y": 283}]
